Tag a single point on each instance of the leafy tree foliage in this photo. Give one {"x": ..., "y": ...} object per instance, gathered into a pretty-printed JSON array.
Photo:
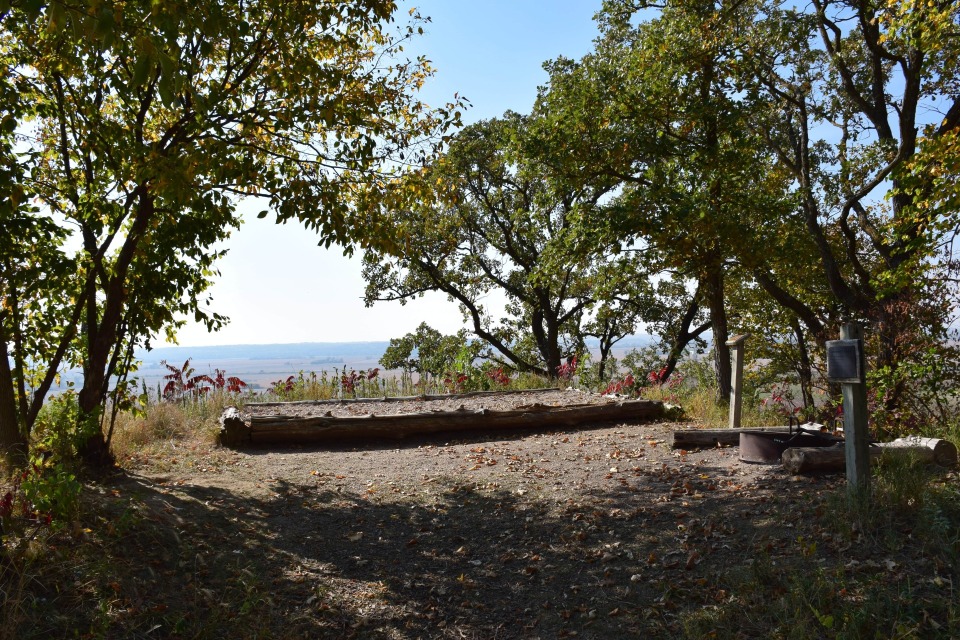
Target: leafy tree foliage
[
  {"x": 847, "y": 90},
  {"x": 667, "y": 123},
  {"x": 428, "y": 352},
  {"x": 778, "y": 159},
  {"x": 152, "y": 119},
  {"x": 491, "y": 224}
]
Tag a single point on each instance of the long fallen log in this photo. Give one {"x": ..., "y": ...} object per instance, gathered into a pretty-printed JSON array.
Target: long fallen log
[
  {"x": 699, "y": 438},
  {"x": 826, "y": 459},
  {"x": 236, "y": 430}
]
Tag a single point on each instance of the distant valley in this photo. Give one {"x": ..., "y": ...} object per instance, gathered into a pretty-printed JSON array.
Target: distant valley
[{"x": 259, "y": 365}]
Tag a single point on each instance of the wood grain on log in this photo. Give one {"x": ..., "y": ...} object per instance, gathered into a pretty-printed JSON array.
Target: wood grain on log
[
  {"x": 814, "y": 460},
  {"x": 275, "y": 429}
]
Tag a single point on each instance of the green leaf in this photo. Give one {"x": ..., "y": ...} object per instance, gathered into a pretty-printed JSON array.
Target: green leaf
[
  {"x": 56, "y": 17},
  {"x": 167, "y": 64},
  {"x": 165, "y": 88},
  {"x": 140, "y": 70}
]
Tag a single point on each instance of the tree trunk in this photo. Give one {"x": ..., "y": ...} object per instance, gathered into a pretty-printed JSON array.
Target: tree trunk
[
  {"x": 804, "y": 368},
  {"x": 605, "y": 348},
  {"x": 93, "y": 448},
  {"x": 713, "y": 289},
  {"x": 13, "y": 443},
  {"x": 95, "y": 453},
  {"x": 684, "y": 336},
  {"x": 103, "y": 331},
  {"x": 897, "y": 331},
  {"x": 546, "y": 334}
]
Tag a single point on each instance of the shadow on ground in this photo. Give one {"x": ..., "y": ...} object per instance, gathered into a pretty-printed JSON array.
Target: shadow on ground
[{"x": 449, "y": 558}]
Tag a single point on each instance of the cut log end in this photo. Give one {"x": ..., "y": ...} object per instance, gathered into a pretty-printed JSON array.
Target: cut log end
[{"x": 234, "y": 432}]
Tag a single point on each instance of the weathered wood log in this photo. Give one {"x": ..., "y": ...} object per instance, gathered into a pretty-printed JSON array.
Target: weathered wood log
[
  {"x": 941, "y": 452},
  {"x": 817, "y": 460},
  {"x": 276, "y": 429},
  {"x": 233, "y": 430},
  {"x": 699, "y": 438}
]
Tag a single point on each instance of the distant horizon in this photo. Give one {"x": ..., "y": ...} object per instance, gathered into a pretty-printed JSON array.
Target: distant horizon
[
  {"x": 632, "y": 336},
  {"x": 231, "y": 345},
  {"x": 347, "y": 349},
  {"x": 261, "y": 364}
]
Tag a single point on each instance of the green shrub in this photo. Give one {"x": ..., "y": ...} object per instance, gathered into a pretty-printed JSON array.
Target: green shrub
[
  {"x": 56, "y": 429},
  {"x": 46, "y": 493}
]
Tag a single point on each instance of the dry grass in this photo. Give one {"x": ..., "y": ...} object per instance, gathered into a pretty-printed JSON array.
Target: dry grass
[
  {"x": 700, "y": 405},
  {"x": 170, "y": 424},
  {"x": 13, "y": 581}
]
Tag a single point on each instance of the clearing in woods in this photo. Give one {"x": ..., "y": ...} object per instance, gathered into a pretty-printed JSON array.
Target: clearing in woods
[{"x": 593, "y": 533}]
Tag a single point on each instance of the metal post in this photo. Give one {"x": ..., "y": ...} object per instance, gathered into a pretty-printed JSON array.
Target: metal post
[
  {"x": 855, "y": 421},
  {"x": 736, "y": 389}
]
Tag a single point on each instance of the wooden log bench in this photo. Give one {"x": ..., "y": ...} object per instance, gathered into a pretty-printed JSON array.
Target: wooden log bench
[{"x": 238, "y": 430}]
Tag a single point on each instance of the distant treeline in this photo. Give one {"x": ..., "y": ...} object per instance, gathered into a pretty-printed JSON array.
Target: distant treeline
[{"x": 316, "y": 352}]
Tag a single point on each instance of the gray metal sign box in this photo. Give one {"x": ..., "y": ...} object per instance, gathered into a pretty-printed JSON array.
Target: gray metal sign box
[{"x": 844, "y": 361}]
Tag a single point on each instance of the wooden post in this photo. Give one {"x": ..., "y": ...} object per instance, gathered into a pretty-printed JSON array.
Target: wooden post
[
  {"x": 736, "y": 389},
  {"x": 855, "y": 421}
]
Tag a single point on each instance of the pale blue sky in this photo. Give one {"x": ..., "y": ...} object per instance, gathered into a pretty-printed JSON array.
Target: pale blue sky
[{"x": 277, "y": 286}]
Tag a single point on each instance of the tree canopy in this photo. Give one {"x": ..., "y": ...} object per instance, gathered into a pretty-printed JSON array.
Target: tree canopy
[
  {"x": 769, "y": 168},
  {"x": 710, "y": 166},
  {"x": 150, "y": 120},
  {"x": 776, "y": 157},
  {"x": 493, "y": 223}
]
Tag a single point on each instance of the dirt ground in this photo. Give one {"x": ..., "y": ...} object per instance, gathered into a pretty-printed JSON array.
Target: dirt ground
[
  {"x": 598, "y": 532},
  {"x": 590, "y": 533}
]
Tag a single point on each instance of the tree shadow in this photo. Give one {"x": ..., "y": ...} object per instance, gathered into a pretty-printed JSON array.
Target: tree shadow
[{"x": 457, "y": 558}]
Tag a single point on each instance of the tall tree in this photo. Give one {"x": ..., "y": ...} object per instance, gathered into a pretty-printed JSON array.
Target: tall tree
[
  {"x": 154, "y": 118},
  {"x": 491, "y": 224},
  {"x": 755, "y": 140},
  {"x": 856, "y": 95},
  {"x": 32, "y": 271},
  {"x": 656, "y": 107}
]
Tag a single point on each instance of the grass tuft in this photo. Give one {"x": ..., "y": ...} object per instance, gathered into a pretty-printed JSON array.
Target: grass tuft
[{"x": 192, "y": 423}]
